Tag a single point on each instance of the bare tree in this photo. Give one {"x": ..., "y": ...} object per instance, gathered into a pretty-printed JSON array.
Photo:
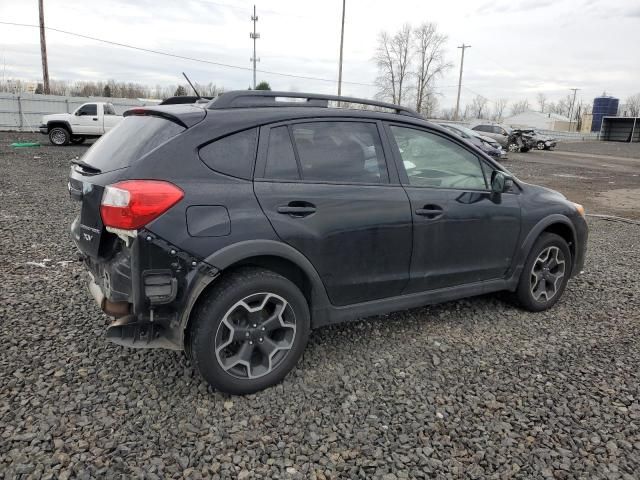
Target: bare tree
[
  {"x": 498, "y": 108},
  {"x": 447, "y": 114},
  {"x": 467, "y": 113},
  {"x": 429, "y": 48},
  {"x": 478, "y": 106},
  {"x": 429, "y": 107},
  {"x": 520, "y": 106},
  {"x": 393, "y": 59},
  {"x": 633, "y": 105},
  {"x": 541, "y": 98},
  {"x": 562, "y": 106}
]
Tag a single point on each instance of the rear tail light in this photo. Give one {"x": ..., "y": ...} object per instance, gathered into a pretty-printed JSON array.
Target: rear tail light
[{"x": 132, "y": 204}]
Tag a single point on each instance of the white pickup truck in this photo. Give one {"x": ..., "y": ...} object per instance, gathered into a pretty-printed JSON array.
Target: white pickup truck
[{"x": 90, "y": 120}]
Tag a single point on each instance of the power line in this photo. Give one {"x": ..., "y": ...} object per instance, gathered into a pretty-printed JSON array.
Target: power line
[
  {"x": 183, "y": 57},
  {"x": 43, "y": 50},
  {"x": 575, "y": 90},
  {"x": 463, "y": 47},
  {"x": 344, "y": 6},
  {"x": 254, "y": 35}
]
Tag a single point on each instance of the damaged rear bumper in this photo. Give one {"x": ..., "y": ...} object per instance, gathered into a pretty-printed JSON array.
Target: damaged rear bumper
[{"x": 145, "y": 287}]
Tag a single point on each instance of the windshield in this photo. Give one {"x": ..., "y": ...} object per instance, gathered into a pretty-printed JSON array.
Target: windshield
[{"x": 130, "y": 140}]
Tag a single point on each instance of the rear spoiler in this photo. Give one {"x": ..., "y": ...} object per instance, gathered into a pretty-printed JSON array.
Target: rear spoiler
[
  {"x": 184, "y": 99},
  {"x": 184, "y": 115}
]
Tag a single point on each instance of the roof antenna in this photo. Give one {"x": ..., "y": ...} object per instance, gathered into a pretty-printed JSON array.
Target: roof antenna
[{"x": 194, "y": 88}]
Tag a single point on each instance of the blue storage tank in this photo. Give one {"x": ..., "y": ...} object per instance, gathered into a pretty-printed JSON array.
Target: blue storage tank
[{"x": 604, "y": 106}]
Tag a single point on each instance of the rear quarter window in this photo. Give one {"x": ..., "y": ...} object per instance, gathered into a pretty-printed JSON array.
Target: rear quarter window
[
  {"x": 233, "y": 155},
  {"x": 129, "y": 141}
]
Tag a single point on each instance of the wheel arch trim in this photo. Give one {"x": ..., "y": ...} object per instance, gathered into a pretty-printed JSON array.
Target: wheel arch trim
[
  {"x": 233, "y": 254},
  {"x": 532, "y": 236},
  {"x": 59, "y": 123}
]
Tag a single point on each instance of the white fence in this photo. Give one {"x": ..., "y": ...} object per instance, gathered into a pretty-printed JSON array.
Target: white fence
[
  {"x": 571, "y": 136},
  {"x": 24, "y": 111}
]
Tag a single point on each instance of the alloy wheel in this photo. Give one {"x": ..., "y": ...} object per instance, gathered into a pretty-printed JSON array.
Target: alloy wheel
[
  {"x": 58, "y": 136},
  {"x": 255, "y": 335},
  {"x": 547, "y": 273}
]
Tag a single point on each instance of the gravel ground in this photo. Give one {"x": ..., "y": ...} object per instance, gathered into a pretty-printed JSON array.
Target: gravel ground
[
  {"x": 614, "y": 149},
  {"x": 603, "y": 184},
  {"x": 475, "y": 388}
]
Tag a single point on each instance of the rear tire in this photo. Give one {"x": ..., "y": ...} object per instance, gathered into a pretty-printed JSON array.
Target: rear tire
[
  {"x": 249, "y": 332},
  {"x": 59, "y": 136},
  {"x": 540, "y": 146},
  {"x": 513, "y": 147},
  {"x": 546, "y": 273}
]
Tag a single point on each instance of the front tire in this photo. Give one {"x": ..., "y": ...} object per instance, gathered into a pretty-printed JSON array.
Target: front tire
[
  {"x": 250, "y": 331},
  {"x": 546, "y": 273},
  {"x": 513, "y": 147},
  {"x": 59, "y": 136}
]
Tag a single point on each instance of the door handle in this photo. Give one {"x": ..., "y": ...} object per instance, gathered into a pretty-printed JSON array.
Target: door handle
[
  {"x": 430, "y": 211},
  {"x": 297, "y": 210},
  {"x": 95, "y": 119}
]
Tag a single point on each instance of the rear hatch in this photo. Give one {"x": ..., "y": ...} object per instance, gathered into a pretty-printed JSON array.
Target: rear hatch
[{"x": 107, "y": 162}]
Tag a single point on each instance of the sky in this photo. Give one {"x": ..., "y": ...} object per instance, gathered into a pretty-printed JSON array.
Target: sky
[{"x": 519, "y": 48}]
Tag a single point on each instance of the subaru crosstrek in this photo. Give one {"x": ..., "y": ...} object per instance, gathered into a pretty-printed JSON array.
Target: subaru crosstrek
[{"x": 230, "y": 229}]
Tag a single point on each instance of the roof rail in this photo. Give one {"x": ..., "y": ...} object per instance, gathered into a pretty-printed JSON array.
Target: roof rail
[{"x": 268, "y": 98}]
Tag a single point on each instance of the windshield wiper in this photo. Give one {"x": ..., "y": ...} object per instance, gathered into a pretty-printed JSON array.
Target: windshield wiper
[{"x": 85, "y": 166}]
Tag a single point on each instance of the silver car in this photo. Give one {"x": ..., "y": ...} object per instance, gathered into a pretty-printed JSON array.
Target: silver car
[{"x": 500, "y": 133}]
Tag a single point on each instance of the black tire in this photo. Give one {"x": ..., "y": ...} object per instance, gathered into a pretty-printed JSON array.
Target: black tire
[
  {"x": 528, "y": 280},
  {"x": 210, "y": 332},
  {"x": 513, "y": 148},
  {"x": 59, "y": 136},
  {"x": 540, "y": 146},
  {"x": 77, "y": 140}
]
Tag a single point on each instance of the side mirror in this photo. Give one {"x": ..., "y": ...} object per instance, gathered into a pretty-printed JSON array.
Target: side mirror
[{"x": 500, "y": 182}]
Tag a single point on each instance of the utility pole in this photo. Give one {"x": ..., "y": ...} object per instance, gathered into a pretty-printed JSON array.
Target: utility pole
[
  {"x": 43, "y": 50},
  {"x": 463, "y": 47},
  {"x": 341, "y": 45},
  {"x": 254, "y": 35},
  {"x": 572, "y": 103}
]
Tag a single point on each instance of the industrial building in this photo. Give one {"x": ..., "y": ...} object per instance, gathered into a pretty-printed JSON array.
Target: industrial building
[
  {"x": 604, "y": 106},
  {"x": 539, "y": 120},
  {"x": 620, "y": 129}
]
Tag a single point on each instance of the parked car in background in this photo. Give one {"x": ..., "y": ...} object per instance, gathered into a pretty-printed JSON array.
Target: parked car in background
[
  {"x": 541, "y": 141},
  {"x": 230, "y": 230},
  {"x": 90, "y": 120},
  {"x": 500, "y": 133},
  {"x": 487, "y": 144}
]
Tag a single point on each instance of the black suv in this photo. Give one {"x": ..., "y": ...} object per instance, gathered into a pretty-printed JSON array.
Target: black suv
[{"x": 231, "y": 228}]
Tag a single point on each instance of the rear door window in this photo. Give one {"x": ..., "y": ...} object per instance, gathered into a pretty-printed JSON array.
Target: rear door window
[
  {"x": 108, "y": 109},
  {"x": 131, "y": 139},
  {"x": 233, "y": 155},
  {"x": 281, "y": 159},
  {"x": 340, "y": 152}
]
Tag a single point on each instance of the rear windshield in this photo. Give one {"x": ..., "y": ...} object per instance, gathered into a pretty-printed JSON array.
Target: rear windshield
[{"x": 129, "y": 141}]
